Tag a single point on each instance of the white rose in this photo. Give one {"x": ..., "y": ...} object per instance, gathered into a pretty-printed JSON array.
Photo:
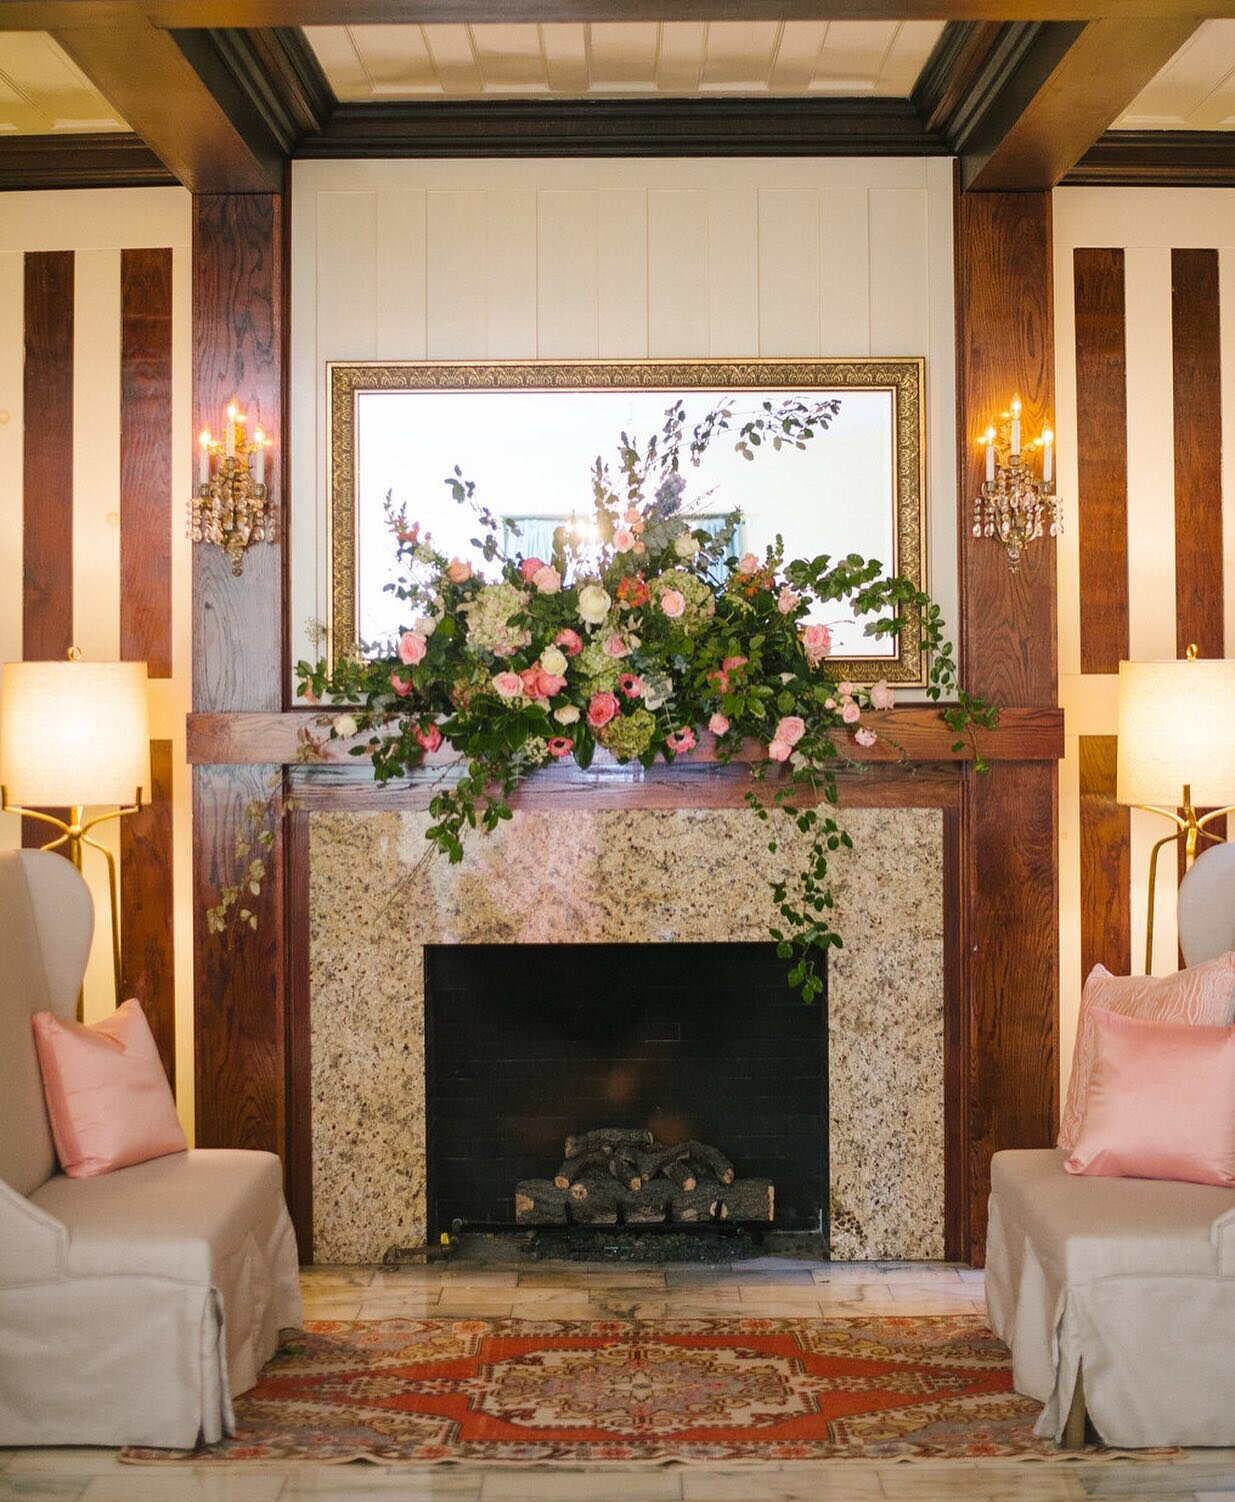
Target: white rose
[
  {"x": 553, "y": 660},
  {"x": 567, "y": 715},
  {"x": 686, "y": 545},
  {"x": 594, "y": 604},
  {"x": 345, "y": 725}
]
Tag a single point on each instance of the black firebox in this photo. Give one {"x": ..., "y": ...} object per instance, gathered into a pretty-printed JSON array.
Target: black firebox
[{"x": 526, "y": 1044}]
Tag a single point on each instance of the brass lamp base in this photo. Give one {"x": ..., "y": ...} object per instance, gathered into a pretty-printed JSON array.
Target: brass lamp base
[
  {"x": 74, "y": 835},
  {"x": 1192, "y": 831}
]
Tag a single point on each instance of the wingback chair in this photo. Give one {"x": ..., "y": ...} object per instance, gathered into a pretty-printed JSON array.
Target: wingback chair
[{"x": 133, "y": 1305}]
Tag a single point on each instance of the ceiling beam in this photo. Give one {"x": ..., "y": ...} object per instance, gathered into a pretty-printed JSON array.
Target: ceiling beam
[
  {"x": 50, "y": 15},
  {"x": 1061, "y": 86}
]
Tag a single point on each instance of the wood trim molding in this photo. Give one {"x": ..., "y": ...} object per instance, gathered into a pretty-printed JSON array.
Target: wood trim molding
[
  {"x": 97, "y": 160},
  {"x": 1156, "y": 159}
]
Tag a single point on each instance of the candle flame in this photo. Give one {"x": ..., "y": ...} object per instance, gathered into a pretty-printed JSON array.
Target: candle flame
[
  {"x": 1016, "y": 406},
  {"x": 1047, "y": 437},
  {"x": 205, "y": 440},
  {"x": 232, "y": 409}
]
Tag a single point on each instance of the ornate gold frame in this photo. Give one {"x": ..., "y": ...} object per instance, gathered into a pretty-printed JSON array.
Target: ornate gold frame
[{"x": 903, "y": 377}]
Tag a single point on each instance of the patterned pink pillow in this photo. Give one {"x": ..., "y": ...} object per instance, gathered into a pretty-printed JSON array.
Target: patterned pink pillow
[
  {"x": 1161, "y": 1102},
  {"x": 107, "y": 1095},
  {"x": 1203, "y": 996}
]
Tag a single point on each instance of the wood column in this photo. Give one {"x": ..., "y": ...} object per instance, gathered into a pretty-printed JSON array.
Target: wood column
[
  {"x": 1009, "y": 869},
  {"x": 239, "y": 285}
]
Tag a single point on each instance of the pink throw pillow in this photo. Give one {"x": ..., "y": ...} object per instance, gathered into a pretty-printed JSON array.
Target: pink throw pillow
[
  {"x": 107, "y": 1095},
  {"x": 1203, "y": 996},
  {"x": 1161, "y": 1102}
]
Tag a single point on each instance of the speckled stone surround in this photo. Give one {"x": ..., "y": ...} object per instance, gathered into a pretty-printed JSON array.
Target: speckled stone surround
[{"x": 691, "y": 875}]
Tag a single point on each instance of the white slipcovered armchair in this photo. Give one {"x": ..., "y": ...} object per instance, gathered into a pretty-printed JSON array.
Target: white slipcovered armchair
[{"x": 134, "y": 1305}]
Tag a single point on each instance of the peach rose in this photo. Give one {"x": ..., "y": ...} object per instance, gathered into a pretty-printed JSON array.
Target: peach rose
[
  {"x": 623, "y": 540},
  {"x": 673, "y": 603},
  {"x": 748, "y": 565},
  {"x": 817, "y": 642},
  {"x": 547, "y": 580},
  {"x": 401, "y": 686},
  {"x": 788, "y": 600},
  {"x": 570, "y": 642},
  {"x": 458, "y": 572},
  {"x": 616, "y": 647},
  {"x": 779, "y": 750},
  {"x": 530, "y": 567},
  {"x": 412, "y": 648},
  {"x": 718, "y": 724},
  {"x": 508, "y": 685},
  {"x": 429, "y": 739},
  {"x": 791, "y": 729},
  {"x": 601, "y": 710}
]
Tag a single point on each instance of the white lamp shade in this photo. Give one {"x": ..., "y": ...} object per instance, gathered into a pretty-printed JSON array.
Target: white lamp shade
[
  {"x": 73, "y": 733},
  {"x": 1177, "y": 726}
]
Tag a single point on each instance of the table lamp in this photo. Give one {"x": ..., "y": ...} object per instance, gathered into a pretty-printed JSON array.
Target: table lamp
[
  {"x": 75, "y": 734},
  {"x": 1177, "y": 751}
]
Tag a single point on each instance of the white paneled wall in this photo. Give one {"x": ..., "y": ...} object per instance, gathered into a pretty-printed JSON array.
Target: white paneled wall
[{"x": 616, "y": 259}]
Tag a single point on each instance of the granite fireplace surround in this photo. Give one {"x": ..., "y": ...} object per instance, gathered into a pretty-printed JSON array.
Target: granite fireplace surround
[{"x": 631, "y": 876}]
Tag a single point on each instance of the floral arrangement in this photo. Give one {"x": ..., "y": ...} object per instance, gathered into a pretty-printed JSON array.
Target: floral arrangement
[{"x": 639, "y": 631}]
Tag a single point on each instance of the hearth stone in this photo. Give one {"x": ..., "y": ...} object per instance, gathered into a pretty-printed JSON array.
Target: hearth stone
[{"x": 633, "y": 877}]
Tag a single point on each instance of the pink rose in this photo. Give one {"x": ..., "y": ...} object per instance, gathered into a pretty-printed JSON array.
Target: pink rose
[
  {"x": 850, "y": 713},
  {"x": 780, "y": 750},
  {"x": 530, "y": 567},
  {"x": 748, "y": 565},
  {"x": 547, "y": 580},
  {"x": 844, "y": 689},
  {"x": 791, "y": 729},
  {"x": 458, "y": 572},
  {"x": 623, "y": 540},
  {"x": 731, "y": 664},
  {"x": 412, "y": 648},
  {"x": 673, "y": 603},
  {"x": 601, "y": 710},
  {"x": 559, "y": 745},
  {"x": 616, "y": 647},
  {"x": 681, "y": 740},
  {"x": 401, "y": 686},
  {"x": 430, "y": 739},
  {"x": 508, "y": 685},
  {"x": 569, "y": 641},
  {"x": 631, "y": 685},
  {"x": 882, "y": 697},
  {"x": 788, "y": 601},
  {"x": 817, "y": 642},
  {"x": 537, "y": 684},
  {"x": 721, "y": 679},
  {"x": 718, "y": 724},
  {"x": 865, "y": 737}
]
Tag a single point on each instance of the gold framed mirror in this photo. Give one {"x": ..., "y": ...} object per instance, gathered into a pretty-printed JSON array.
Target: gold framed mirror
[{"x": 527, "y": 432}]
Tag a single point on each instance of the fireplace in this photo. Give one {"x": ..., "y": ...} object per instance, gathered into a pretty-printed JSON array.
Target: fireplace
[{"x": 701, "y": 1041}]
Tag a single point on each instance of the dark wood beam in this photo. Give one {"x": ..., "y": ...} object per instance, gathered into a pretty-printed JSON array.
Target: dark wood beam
[
  {"x": 102, "y": 160},
  {"x": 1065, "y": 86},
  {"x": 1157, "y": 159}
]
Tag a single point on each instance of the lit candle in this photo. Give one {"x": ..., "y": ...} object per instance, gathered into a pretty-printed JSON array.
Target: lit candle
[
  {"x": 990, "y": 454},
  {"x": 231, "y": 430},
  {"x": 203, "y": 463},
  {"x": 1048, "y": 455},
  {"x": 1016, "y": 426},
  {"x": 259, "y": 458}
]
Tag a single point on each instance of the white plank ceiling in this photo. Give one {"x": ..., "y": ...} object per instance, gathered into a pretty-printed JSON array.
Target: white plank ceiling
[
  {"x": 1196, "y": 89},
  {"x": 678, "y": 58},
  {"x": 42, "y": 91}
]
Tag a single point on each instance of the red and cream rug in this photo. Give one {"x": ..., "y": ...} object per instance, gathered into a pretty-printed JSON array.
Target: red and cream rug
[{"x": 572, "y": 1392}]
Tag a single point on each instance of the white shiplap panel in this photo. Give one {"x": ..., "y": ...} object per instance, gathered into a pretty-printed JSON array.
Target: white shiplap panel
[
  {"x": 12, "y": 335},
  {"x": 347, "y": 259},
  {"x": 739, "y": 55},
  {"x": 400, "y": 275},
  {"x": 679, "y": 67},
  {"x": 733, "y": 272},
  {"x": 677, "y": 273},
  {"x": 899, "y": 285},
  {"x": 96, "y": 454},
  {"x": 1151, "y": 471},
  {"x": 622, "y": 259},
  {"x": 457, "y": 259},
  {"x": 511, "y": 274},
  {"x": 798, "y": 52},
  {"x": 568, "y": 297},
  {"x": 454, "y": 61},
  {"x": 788, "y": 271},
  {"x": 564, "y": 45},
  {"x": 844, "y": 270}
]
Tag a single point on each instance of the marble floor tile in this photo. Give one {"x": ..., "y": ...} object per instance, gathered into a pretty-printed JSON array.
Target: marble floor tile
[
  {"x": 184, "y": 1484},
  {"x": 759, "y": 1295},
  {"x": 558, "y": 1485},
  {"x": 414, "y": 1300},
  {"x": 41, "y": 1488},
  {"x": 800, "y": 1483},
  {"x": 486, "y": 1303},
  {"x": 539, "y": 1277},
  {"x": 632, "y": 1309},
  {"x": 78, "y": 1460},
  {"x": 480, "y": 1277},
  {"x": 716, "y": 1293},
  {"x": 629, "y": 1277},
  {"x": 327, "y": 1276},
  {"x": 780, "y": 1277},
  {"x": 993, "y": 1481},
  {"x": 343, "y": 1308},
  {"x": 1146, "y": 1477},
  {"x": 361, "y": 1482}
]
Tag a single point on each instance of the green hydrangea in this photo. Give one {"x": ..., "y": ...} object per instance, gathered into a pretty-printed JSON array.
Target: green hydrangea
[
  {"x": 596, "y": 671},
  {"x": 488, "y": 620},
  {"x": 700, "y": 604},
  {"x": 628, "y": 736}
]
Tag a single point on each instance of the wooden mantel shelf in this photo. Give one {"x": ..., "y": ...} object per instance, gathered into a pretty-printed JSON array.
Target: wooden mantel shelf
[{"x": 913, "y": 734}]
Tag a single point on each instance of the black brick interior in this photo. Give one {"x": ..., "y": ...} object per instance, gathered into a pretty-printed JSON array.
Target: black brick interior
[{"x": 527, "y": 1044}]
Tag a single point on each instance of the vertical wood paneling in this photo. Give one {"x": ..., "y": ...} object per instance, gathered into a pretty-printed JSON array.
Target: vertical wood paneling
[
  {"x": 146, "y": 459},
  {"x": 147, "y": 907},
  {"x": 238, "y": 344},
  {"x": 400, "y": 255},
  {"x": 1105, "y": 847},
  {"x": 622, "y": 263},
  {"x": 568, "y": 296},
  {"x": 899, "y": 287},
  {"x": 457, "y": 234},
  {"x": 844, "y": 266},
  {"x": 789, "y": 279},
  {"x": 733, "y": 271},
  {"x": 47, "y": 470},
  {"x": 1197, "y": 383},
  {"x": 510, "y": 275},
  {"x": 1101, "y": 457},
  {"x": 1226, "y": 335},
  {"x": 677, "y": 254},
  {"x": 1009, "y": 884},
  {"x": 12, "y": 318}
]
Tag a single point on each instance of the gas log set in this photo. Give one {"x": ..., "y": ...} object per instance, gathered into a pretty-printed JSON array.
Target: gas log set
[{"x": 622, "y": 1175}]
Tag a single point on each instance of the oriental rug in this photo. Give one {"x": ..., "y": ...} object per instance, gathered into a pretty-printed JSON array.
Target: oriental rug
[{"x": 586, "y": 1392}]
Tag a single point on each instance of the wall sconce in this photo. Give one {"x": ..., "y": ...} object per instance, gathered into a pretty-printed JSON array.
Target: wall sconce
[
  {"x": 75, "y": 733},
  {"x": 1014, "y": 505},
  {"x": 1176, "y": 730},
  {"x": 231, "y": 506}
]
